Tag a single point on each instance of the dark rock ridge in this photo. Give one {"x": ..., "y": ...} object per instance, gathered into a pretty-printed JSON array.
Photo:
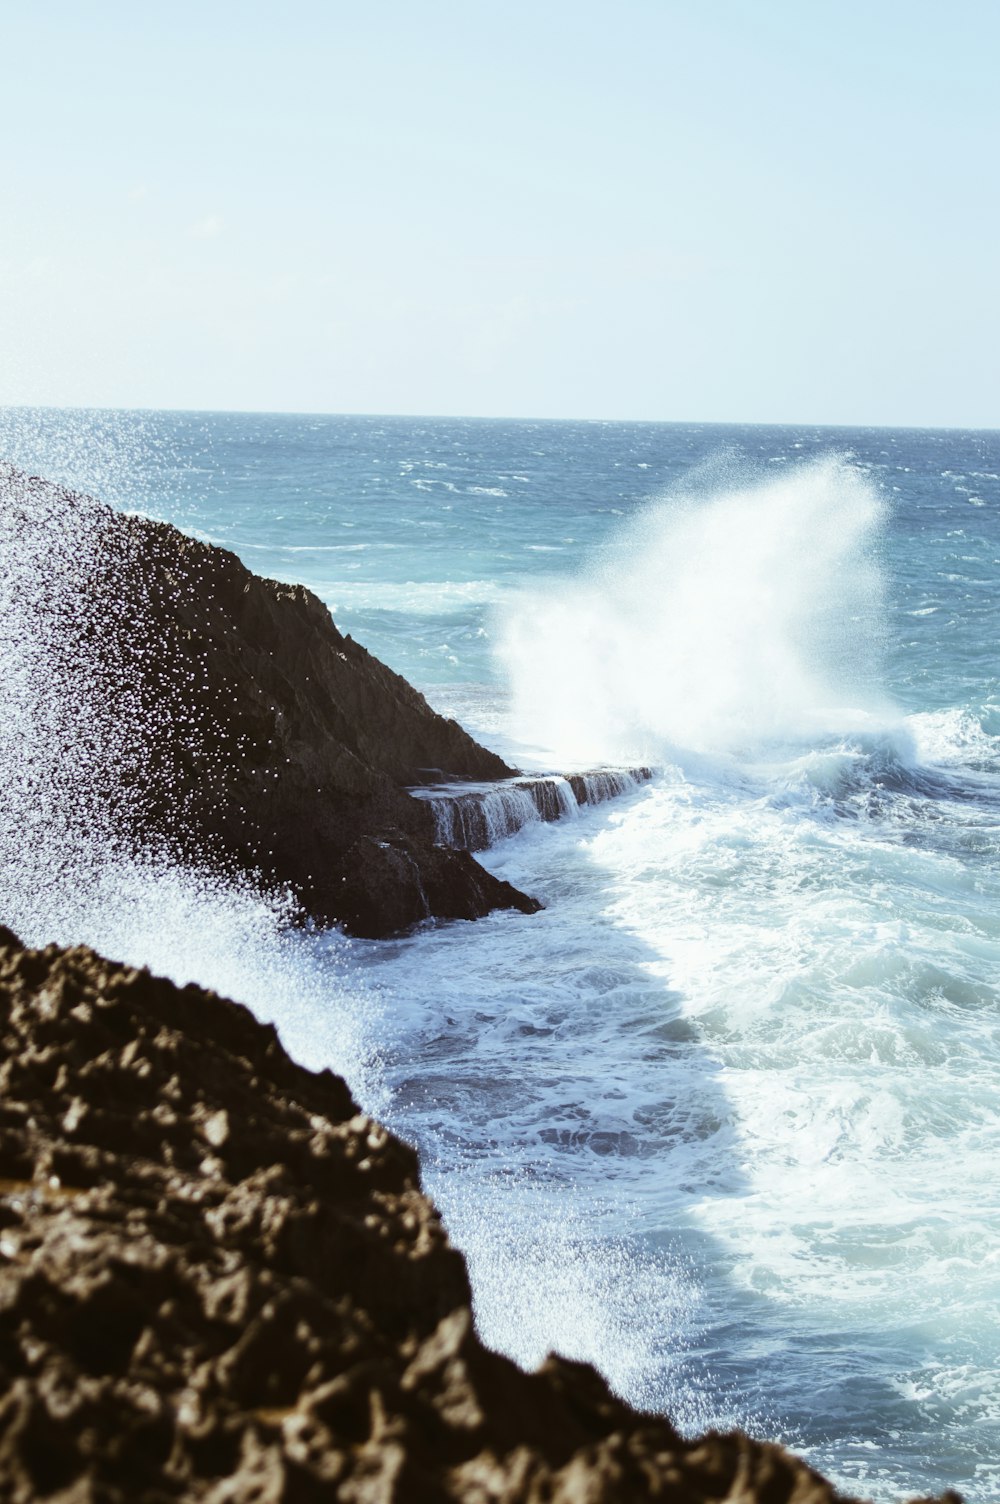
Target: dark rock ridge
[
  {"x": 473, "y": 818},
  {"x": 179, "y": 701},
  {"x": 221, "y": 1282}
]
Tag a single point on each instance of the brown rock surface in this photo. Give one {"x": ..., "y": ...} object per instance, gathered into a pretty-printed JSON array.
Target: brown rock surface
[
  {"x": 219, "y": 1281},
  {"x": 168, "y": 693}
]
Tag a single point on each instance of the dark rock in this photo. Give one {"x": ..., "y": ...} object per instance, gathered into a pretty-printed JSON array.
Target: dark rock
[
  {"x": 219, "y": 1281},
  {"x": 390, "y": 885},
  {"x": 188, "y": 705}
]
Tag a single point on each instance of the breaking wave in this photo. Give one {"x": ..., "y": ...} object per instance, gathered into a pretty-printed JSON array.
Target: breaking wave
[{"x": 745, "y": 614}]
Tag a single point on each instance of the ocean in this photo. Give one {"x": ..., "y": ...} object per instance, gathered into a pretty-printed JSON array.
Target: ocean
[{"x": 724, "y": 1119}]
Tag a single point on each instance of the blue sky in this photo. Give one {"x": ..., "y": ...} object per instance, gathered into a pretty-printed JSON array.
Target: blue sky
[{"x": 734, "y": 210}]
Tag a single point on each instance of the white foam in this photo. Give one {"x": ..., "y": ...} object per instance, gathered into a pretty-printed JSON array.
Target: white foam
[{"x": 749, "y": 615}]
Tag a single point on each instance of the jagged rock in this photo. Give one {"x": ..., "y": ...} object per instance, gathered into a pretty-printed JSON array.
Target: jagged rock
[
  {"x": 220, "y": 1282},
  {"x": 167, "y": 693}
]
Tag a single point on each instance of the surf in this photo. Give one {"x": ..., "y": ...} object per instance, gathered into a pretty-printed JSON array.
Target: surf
[{"x": 740, "y": 612}]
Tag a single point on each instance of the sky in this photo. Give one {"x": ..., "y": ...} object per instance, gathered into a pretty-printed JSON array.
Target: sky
[{"x": 691, "y": 210}]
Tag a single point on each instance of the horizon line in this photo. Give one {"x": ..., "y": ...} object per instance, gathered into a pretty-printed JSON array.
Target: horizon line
[{"x": 266, "y": 412}]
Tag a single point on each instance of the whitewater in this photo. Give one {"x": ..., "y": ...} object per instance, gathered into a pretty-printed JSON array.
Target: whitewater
[{"x": 725, "y": 1117}]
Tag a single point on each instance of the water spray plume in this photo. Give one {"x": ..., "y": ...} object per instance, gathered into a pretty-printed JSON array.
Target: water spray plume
[{"x": 721, "y": 623}]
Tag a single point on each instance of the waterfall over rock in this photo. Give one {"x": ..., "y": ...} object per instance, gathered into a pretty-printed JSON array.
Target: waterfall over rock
[{"x": 473, "y": 817}]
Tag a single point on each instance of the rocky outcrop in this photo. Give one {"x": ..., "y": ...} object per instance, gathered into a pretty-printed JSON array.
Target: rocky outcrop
[
  {"x": 221, "y": 1282},
  {"x": 172, "y": 697}
]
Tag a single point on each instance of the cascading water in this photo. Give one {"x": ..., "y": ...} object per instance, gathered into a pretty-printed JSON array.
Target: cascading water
[
  {"x": 475, "y": 817},
  {"x": 606, "y": 783}
]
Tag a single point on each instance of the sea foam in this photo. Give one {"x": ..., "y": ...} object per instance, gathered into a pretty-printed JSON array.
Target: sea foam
[
  {"x": 723, "y": 1118},
  {"x": 737, "y": 613}
]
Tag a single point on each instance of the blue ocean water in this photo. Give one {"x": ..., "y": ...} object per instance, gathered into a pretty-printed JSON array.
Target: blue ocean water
[{"x": 725, "y": 1117}]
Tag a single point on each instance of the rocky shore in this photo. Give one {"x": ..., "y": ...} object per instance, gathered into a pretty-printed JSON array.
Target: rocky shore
[
  {"x": 221, "y": 1282},
  {"x": 189, "y": 704}
]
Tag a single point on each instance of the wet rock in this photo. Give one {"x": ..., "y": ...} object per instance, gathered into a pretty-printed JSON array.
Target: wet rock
[
  {"x": 390, "y": 884},
  {"x": 192, "y": 707},
  {"x": 473, "y": 817},
  {"x": 221, "y": 1282}
]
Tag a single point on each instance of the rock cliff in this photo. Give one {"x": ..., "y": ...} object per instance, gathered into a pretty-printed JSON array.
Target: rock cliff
[
  {"x": 170, "y": 696},
  {"x": 220, "y": 1282}
]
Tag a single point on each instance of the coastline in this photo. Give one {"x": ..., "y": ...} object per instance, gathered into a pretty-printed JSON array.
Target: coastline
[
  {"x": 220, "y": 1280},
  {"x": 194, "y": 601}
]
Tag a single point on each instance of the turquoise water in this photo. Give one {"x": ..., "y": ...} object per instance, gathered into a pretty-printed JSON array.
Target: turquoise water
[{"x": 725, "y": 1118}]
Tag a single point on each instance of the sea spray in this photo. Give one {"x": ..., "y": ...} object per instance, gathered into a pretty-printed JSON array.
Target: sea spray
[
  {"x": 77, "y": 738},
  {"x": 66, "y": 767},
  {"x": 718, "y": 622},
  {"x": 555, "y": 1273},
  {"x": 753, "y": 1036}
]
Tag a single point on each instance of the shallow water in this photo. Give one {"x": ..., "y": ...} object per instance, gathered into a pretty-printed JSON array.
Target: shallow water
[{"x": 725, "y": 1117}]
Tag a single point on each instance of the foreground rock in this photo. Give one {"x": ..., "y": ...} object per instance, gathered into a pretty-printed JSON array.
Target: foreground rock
[
  {"x": 220, "y": 1282},
  {"x": 166, "y": 697}
]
